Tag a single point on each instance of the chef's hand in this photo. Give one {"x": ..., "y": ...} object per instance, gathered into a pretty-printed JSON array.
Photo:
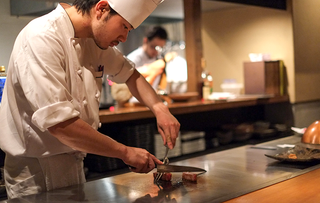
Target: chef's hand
[
  {"x": 170, "y": 56},
  {"x": 140, "y": 160},
  {"x": 168, "y": 127}
]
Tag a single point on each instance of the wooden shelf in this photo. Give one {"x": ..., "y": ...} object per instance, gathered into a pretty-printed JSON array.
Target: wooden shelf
[{"x": 178, "y": 108}]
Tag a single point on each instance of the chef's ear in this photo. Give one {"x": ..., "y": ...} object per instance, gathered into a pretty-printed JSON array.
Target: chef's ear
[
  {"x": 102, "y": 7},
  {"x": 145, "y": 40}
]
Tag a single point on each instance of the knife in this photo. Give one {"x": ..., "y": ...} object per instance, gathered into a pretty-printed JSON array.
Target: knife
[{"x": 175, "y": 168}]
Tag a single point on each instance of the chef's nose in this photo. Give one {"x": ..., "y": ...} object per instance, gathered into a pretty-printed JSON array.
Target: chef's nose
[{"x": 124, "y": 37}]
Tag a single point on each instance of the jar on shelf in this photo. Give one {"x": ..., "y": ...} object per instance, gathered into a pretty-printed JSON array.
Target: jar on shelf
[
  {"x": 3, "y": 71},
  {"x": 2, "y": 80}
]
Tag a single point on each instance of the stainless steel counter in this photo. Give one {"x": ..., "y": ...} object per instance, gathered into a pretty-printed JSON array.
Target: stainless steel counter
[{"x": 230, "y": 173}]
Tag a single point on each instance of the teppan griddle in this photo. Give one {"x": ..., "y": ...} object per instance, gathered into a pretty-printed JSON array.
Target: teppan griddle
[{"x": 230, "y": 173}]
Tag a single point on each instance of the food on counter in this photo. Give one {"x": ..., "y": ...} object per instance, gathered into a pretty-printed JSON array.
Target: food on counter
[
  {"x": 292, "y": 156},
  {"x": 189, "y": 176},
  {"x": 299, "y": 153},
  {"x": 164, "y": 177}
]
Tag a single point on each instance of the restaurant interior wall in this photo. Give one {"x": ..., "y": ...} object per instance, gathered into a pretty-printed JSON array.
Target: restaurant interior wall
[
  {"x": 292, "y": 35},
  {"x": 10, "y": 26},
  {"x": 306, "y": 18},
  {"x": 306, "y": 28},
  {"x": 229, "y": 36}
]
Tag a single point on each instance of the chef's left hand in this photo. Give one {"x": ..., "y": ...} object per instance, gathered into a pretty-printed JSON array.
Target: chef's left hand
[{"x": 168, "y": 127}]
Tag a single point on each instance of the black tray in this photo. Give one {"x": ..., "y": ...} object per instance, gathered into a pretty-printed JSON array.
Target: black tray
[
  {"x": 302, "y": 153},
  {"x": 286, "y": 159}
]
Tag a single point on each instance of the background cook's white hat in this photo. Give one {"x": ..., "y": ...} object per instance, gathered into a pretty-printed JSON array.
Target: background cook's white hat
[{"x": 134, "y": 11}]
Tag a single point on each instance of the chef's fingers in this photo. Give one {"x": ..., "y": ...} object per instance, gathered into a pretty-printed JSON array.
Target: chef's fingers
[
  {"x": 166, "y": 135},
  {"x": 139, "y": 168},
  {"x": 152, "y": 161},
  {"x": 155, "y": 160},
  {"x": 174, "y": 129},
  {"x": 151, "y": 164},
  {"x": 145, "y": 168},
  {"x": 172, "y": 136},
  {"x": 174, "y": 132},
  {"x": 140, "y": 163},
  {"x": 147, "y": 165},
  {"x": 169, "y": 141},
  {"x": 162, "y": 134}
]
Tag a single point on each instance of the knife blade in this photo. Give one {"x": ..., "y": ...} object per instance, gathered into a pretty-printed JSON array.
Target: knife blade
[{"x": 175, "y": 168}]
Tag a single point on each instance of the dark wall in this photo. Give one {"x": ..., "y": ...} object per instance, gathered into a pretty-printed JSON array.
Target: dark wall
[{"x": 277, "y": 4}]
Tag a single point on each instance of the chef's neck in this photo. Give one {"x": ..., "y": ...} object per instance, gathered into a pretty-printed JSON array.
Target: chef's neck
[{"x": 81, "y": 22}]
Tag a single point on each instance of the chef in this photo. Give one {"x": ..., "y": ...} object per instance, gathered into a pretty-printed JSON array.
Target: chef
[
  {"x": 148, "y": 59},
  {"x": 50, "y": 106}
]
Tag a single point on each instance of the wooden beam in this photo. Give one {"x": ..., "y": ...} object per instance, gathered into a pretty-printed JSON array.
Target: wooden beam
[{"x": 192, "y": 21}]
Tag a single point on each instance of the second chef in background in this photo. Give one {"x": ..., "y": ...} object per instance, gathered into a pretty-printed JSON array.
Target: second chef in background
[{"x": 150, "y": 59}]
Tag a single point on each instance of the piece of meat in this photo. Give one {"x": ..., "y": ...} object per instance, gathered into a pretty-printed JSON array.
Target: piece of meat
[
  {"x": 292, "y": 156},
  {"x": 165, "y": 176},
  {"x": 189, "y": 176}
]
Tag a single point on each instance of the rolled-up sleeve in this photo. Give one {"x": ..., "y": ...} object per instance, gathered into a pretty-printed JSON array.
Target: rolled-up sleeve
[
  {"x": 119, "y": 68},
  {"x": 50, "y": 115}
]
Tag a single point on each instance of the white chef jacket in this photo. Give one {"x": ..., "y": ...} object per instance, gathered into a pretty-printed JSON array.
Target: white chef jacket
[{"x": 53, "y": 77}]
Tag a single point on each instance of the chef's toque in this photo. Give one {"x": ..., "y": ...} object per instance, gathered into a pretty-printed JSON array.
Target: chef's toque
[{"x": 134, "y": 11}]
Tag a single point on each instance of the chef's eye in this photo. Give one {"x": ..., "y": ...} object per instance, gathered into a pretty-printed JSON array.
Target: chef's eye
[{"x": 126, "y": 28}]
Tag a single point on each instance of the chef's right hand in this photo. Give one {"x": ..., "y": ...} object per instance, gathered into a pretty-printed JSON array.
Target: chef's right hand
[
  {"x": 140, "y": 160},
  {"x": 170, "y": 56}
]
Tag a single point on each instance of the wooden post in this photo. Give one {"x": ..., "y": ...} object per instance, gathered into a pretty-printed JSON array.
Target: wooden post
[{"x": 192, "y": 21}]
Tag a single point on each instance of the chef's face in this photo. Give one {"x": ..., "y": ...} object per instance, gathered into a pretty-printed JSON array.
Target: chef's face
[
  {"x": 110, "y": 30},
  {"x": 152, "y": 45}
]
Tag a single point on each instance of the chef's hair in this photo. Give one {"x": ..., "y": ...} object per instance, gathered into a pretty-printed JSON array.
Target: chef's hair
[
  {"x": 156, "y": 31},
  {"x": 85, "y": 6}
]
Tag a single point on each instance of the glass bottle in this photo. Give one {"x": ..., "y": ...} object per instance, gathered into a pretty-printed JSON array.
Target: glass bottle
[
  {"x": 207, "y": 82},
  {"x": 3, "y": 71}
]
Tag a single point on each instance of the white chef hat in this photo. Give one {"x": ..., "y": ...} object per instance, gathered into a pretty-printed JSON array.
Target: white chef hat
[{"x": 134, "y": 11}]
